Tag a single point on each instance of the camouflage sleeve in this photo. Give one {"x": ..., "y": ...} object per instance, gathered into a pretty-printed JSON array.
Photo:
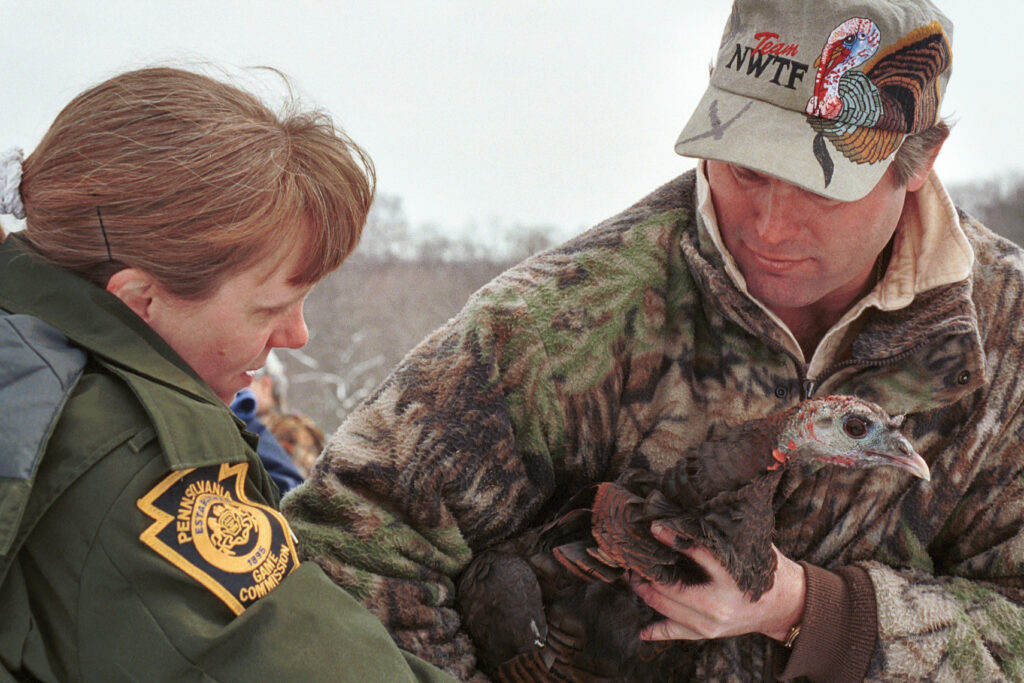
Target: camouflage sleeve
[
  {"x": 963, "y": 617},
  {"x": 944, "y": 629},
  {"x": 510, "y": 406},
  {"x": 459, "y": 447}
]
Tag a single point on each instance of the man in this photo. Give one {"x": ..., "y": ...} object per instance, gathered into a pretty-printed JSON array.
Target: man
[{"x": 812, "y": 251}]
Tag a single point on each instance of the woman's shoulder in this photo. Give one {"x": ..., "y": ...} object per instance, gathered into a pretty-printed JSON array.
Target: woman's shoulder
[
  {"x": 39, "y": 369},
  {"x": 48, "y": 382}
]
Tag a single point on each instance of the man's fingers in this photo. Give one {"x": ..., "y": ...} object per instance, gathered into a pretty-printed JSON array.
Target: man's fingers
[
  {"x": 671, "y": 538},
  {"x": 668, "y": 630}
]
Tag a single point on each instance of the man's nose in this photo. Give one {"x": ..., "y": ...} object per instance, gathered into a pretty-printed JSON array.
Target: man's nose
[{"x": 779, "y": 212}]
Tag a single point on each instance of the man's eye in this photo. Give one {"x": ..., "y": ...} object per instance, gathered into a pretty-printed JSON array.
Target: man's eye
[{"x": 746, "y": 174}]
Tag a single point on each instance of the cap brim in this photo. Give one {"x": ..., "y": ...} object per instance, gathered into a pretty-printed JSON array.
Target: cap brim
[{"x": 775, "y": 141}]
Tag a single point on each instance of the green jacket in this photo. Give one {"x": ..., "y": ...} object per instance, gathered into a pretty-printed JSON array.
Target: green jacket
[
  {"x": 622, "y": 348},
  {"x": 139, "y": 536}
]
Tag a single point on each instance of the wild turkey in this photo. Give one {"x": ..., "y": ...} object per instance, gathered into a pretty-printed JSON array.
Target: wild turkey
[{"x": 553, "y": 603}]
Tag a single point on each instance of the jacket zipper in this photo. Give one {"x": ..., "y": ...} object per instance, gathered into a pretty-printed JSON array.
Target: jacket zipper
[{"x": 809, "y": 385}]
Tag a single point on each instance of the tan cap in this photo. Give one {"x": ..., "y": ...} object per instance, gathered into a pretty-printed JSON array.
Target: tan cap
[{"x": 821, "y": 93}]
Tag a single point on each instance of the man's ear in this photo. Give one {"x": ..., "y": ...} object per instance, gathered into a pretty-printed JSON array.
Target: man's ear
[
  {"x": 917, "y": 180},
  {"x": 135, "y": 288}
]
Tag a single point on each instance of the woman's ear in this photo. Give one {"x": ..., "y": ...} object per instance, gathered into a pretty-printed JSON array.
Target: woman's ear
[{"x": 135, "y": 288}]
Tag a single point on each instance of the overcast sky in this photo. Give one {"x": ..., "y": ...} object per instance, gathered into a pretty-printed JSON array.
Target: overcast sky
[{"x": 478, "y": 112}]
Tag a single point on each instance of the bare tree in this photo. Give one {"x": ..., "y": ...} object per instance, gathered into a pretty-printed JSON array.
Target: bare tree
[
  {"x": 525, "y": 241},
  {"x": 386, "y": 234},
  {"x": 996, "y": 202},
  {"x": 364, "y": 318}
]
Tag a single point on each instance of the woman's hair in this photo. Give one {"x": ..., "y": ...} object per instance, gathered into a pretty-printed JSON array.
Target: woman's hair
[{"x": 192, "y": 180}]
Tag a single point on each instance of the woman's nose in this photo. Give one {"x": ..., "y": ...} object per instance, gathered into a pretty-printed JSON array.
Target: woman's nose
[{"x": 293, "y": 333}]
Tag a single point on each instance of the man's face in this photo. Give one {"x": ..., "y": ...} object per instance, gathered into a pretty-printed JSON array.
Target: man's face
[{"x": 797, "y": 249}]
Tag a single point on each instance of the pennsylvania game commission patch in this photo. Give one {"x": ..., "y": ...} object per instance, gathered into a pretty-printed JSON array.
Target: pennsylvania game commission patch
[{"x": 205, "y": 526}]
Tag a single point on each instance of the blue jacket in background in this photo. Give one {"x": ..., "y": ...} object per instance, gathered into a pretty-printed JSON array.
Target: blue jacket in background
[{"x": 272, "y": 454}]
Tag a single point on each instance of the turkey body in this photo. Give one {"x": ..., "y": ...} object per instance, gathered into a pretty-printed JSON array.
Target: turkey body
[{"x": 554, "y": 603}]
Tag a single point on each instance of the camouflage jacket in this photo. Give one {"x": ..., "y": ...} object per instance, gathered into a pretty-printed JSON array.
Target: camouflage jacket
[{"x": 620, "y": 348}]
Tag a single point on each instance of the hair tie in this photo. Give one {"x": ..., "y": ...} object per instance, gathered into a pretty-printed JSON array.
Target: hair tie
[{"x": 10, "y": 182}]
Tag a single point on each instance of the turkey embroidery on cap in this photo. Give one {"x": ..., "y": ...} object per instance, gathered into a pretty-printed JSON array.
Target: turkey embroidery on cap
[
  {"x": 866, "y": 113},
  {"x": 205, "y": 526}
]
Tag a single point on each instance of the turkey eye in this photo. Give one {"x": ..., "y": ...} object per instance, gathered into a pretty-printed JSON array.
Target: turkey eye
[{"x": 855, "y": 427}]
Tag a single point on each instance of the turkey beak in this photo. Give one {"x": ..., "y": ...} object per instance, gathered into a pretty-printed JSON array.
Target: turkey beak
[
  {"x": 909, "y": 460},
  {"x": 916, "y": 465}
]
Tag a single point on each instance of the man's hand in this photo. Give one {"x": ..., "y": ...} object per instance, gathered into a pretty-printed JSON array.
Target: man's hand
[{"x": 718, "y": 609}]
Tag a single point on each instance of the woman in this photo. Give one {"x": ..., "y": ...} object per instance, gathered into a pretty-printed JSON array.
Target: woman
[{"x": 174, "y": 227}]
